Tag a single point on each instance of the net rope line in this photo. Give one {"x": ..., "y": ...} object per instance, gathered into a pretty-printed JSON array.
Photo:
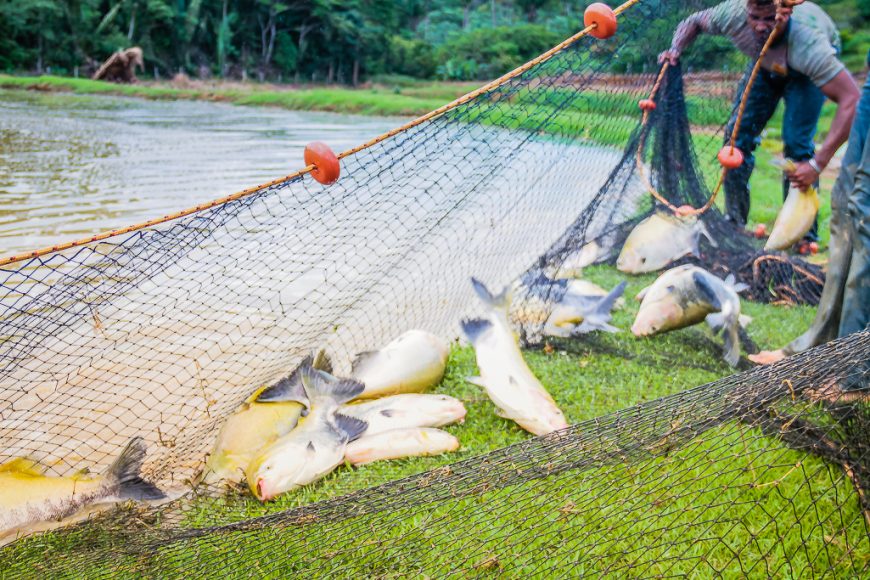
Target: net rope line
[
  {"x": 309, "y": 168},
  {"x": 688, "y": 210}
]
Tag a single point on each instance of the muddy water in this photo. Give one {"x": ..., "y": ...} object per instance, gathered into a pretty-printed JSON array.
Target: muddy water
[{"x": 74, "y": 165}]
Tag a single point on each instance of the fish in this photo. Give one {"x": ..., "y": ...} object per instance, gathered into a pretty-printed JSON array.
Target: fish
[
  {"x": 316, "y": 446},
  {"x": 29, "y": 498},
  {"x": 504, "y": 374},
  {"x": 659, "y": 240},
  {"x": 406, "y": 411},
  {"x": 400, "y": 443},
  {"x": 687, "y": 295},
  {"x": 266, "y": 415},
  {"x": 562, "y": 308},
  {"x": 796, "y": 217},
  {"x": 411, "y": 363},
  {"x": 574, "y": 263}
]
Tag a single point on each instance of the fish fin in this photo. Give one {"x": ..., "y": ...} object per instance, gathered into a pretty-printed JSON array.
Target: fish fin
[
  {"x": 23, "y": 465},
  {"x": 642, "y": 294},
  {"x": 591, "y": 325},
  {"x": 732, "y": 345},
  {"x": 351, "y": 426},
  {"x": 716, "y": 320},
  {"x": 310, "y": 447},
  {"x": 707, "y": 290},
  {"x": 477, "y": 381},
  {"x": 605, "y": 305},
  {"x": 732, "y": 283},
  {"x": 500, "y": 301},
  {"x": 317, "y": 384},
  {"x": 125, "y": 473},
  {"x": 703, "y": 231},
  {"x": 361, "y": 360},
  {"x": 475, "y": 328},
  {"x": 744, "y": 320},
  {"x": 289, "y": 388},
  {"x": 321, "y": 361}
]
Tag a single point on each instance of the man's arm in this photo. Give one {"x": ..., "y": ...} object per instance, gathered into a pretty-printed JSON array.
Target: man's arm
[
  {"x": 842, "y": 90},
  {"x": 685, "y": 34}
]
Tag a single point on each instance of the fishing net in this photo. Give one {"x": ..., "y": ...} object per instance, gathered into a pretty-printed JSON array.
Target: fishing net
[
  {"x": 764, "y": 473},
  {"x": 160, "y": 331}
]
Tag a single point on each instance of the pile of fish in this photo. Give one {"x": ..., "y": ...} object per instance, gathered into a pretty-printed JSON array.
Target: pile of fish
[{"x": 300, "y": 429}]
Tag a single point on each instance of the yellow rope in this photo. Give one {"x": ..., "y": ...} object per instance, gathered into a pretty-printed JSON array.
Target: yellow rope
[
  {"x": 246, "y": 192},
  {"x": 686, "y": 210}
]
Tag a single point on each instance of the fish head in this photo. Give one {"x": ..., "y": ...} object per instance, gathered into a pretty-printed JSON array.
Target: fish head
[
  {"x": 633, "y": 259},
  {"x": 658, "y": 315},
  {"x": 270, "y": 475},
  {"x": 445, "y": 409}
]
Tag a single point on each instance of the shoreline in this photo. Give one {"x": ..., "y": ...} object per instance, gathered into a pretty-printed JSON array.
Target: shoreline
[{"x": 407, "y": 99}]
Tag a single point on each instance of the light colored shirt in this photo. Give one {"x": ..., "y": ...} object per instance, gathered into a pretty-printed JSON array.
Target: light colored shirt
[{"x": 813, "y": 41}]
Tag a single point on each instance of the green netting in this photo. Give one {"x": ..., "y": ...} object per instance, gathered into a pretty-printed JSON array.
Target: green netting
[{"x": 161, "y": 333}]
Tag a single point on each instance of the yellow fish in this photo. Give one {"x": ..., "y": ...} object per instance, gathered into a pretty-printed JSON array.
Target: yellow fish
[
  {"x": 28, "y": 497},
  {"x": 271, "y": 412},
  {"x": 796, "y": 216}
]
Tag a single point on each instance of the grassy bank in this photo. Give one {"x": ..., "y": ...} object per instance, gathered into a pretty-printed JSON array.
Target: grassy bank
[{"x": 588, "y": 380}]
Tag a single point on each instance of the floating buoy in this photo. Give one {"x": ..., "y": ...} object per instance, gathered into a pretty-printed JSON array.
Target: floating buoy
[
  {"x": 760, "y": 231},
  {"x": 730, "y": 157},
  {"x": 647, "y": 104},
  {"x": 326, "y": 166},
  {"x": 814, "y": 247},
  {"x": 604, "y": 19}
]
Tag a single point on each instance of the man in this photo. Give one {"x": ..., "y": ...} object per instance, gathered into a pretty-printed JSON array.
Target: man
[
  {"x": 801, "y": 68},
  {"x": 845, "y": 304}
]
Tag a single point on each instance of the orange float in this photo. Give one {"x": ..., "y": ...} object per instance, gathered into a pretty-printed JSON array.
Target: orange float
[
  {"x": 647, "y": 105},
  {"x": 730, "y": 157},
  {"x": 326, "y": 167},
  {"x": 760, "y": 231},
  {"x": 604, "y": 19}
]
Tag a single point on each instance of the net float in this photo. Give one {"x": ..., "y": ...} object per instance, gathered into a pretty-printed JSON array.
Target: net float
[
  {"x": 730, "y": 157},
  {"x": 604, "y": 19},
  {"x": 326, "y": 166}
]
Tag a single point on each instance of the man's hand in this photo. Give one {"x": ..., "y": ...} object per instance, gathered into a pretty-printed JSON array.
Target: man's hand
[
  {"x": 671, "y": 56},
  {"x": 804, "y": 176}
]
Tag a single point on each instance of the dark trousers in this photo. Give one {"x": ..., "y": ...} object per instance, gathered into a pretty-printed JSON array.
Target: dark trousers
[{"x": 803, "y": 106}]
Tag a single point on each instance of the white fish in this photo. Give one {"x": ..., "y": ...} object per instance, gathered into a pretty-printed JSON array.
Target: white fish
[
  {"x": 687, "y": 295},
  {"x": 659, "y": 240},
  {"x": 399, "y": 443},
  {"x": 574, "y": 263},
  {"x": 796, "y": 217},
  {"x": 406, "y": 411},
  {"x": 413, "y": 362},
  {"x": 316, "y": 446},
  {"x": 508, "y": 381}
]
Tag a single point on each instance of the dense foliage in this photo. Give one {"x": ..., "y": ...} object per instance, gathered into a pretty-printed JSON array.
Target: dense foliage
[{"x": 341, "y": 41}]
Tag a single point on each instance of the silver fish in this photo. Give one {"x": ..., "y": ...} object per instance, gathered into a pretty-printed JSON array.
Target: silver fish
[
  {"x": 399, "y": 443},
  {"x": 659, "y": 240},
  {"x": 406, "y": 411}
]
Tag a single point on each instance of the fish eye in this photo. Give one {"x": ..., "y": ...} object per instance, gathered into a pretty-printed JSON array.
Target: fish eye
[
  {"x": 643, "y": 259},
  {"x": 671, "y": 288}
]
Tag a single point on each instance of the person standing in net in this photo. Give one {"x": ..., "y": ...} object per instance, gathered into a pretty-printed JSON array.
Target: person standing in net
[
  {"x": 845, "y": 304},
  {"x": 801, "y": 68}
]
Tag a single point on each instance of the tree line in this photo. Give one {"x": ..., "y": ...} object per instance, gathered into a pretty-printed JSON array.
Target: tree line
[{"x": 326, "y": 41}]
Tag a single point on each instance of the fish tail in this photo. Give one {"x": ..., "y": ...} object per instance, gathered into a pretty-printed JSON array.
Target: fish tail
[
  {"x": 732, "y": 345},
  {"x": 290, "y": 387},
  {"x": 731, "y": 282},
  {"x": 475, "y": 328},
  {"x": 318, "y": 386},
  {"x": 599, "y": 319},
  {"x": 498, "y": 301},
  {"x": 702, "y": 229},
  {"x": 124, "y": 473},
  {"x": 351, "y": 426}
]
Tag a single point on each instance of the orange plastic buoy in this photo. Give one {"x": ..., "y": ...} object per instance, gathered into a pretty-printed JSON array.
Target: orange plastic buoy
[
  {"x": 730, "y": 157},
  {"x": 647, "y": 104},
  {"x": 814, "y": 247},
  {"x": 685, "y": 210},
  {"x": 760, "y": 231},
  {"x": 604, "y": 19},
  {"x": 326, "y": 167}
]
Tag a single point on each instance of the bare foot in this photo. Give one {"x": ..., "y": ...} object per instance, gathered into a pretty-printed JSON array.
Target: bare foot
[{"x": 767, "y": 357}]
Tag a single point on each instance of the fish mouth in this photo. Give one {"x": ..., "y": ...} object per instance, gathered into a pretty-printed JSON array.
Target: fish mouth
[{"x": 262, "y": 495}]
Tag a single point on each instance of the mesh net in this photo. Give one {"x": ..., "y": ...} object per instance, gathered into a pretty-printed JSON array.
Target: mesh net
[{"x": 161, "y": 333}]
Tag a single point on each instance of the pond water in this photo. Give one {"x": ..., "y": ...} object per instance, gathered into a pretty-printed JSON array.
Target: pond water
[{"x": 73, "y": 165}]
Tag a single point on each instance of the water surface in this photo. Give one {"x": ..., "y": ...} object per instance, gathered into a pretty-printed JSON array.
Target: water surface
[{"x": 73, "y": 165}]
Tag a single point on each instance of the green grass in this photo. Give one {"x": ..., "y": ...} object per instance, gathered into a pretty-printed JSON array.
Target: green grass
[{"x": 733, "y": 471}]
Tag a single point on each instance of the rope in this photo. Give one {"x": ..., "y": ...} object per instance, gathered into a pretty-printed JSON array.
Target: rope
[
  {"x": 250, "y": 191},
  {"x": 687, "y": 210}
]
